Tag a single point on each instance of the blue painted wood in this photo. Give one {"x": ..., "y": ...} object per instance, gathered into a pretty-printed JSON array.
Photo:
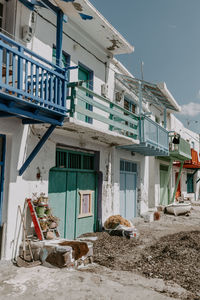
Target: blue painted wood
[
  {"x": 32, "y": 115},
  {"x": 55, "y": 90},
  {"x": 13, "y": 69},
  {"x": 1, "y": 60},
  {"x": 50, "y": 6},
  {"x": 85, "y": 17},
  {"x": 2, "y": 169},
  {"x": 32, "y": 87},
  {"x": 42, "y": 85},
  {"x": 20, "y": 70},
  {"x": 28, "y": 4},
  {"x": 59, "y": 35},
  {"x": 37, "y": 81},
  {"x": 36, "y": 149},
  {"x": 50, "y": 89},
  {"x": 7, "y": 66},
  {"x": 59, "y": 93}
]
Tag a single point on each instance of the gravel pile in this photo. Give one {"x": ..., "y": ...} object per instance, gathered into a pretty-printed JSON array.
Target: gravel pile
[
  {"x": 115, "y": 252},
  {"x": 174, "y": 257}
]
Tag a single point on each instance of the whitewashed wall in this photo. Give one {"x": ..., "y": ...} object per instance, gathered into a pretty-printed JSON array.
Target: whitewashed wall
[{"x": 22, "y": 139}]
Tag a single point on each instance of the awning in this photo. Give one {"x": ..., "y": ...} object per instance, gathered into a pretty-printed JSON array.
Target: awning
[
  {"x": 158, "y": 94},
  {"x": 192, "y": 163}
]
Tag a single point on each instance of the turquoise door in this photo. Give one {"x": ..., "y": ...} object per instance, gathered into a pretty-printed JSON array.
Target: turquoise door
[
  {"x": 72, "y": 197},
  {"x": 128, "y": 187}
]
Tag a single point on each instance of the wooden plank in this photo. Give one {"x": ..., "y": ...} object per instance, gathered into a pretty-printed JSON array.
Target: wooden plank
[
  {"x": 107, "y": 109},
  {"x": 104, "y": 119},
  {"x": 90, "y": 92}
]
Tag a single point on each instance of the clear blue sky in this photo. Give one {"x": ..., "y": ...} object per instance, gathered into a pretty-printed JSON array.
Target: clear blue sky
[{"x": 166, "y": 37}]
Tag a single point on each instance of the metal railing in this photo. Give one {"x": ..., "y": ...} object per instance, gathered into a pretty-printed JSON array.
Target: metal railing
[
  {"x": 178, "y": 146},
  {"x": 153, "y": 133},
  {"x": 29, "y": 77}
]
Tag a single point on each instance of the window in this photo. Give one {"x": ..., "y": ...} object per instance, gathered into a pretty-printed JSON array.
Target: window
[
  {"x": 85, "y": 203},
  {"x": 128, "y": 166},
  {"x": 74, "y": 160},
  {"x": 157, "y": 119},
  {"x": 86, "y": 75},
  {"x": 130, "y": 106},
  {"x": 65, "y": 58}
]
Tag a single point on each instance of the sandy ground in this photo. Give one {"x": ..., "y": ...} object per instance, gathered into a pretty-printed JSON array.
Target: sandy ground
[{"x": 98, "y": 282}]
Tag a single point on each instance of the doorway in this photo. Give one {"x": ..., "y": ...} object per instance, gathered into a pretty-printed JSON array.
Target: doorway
[{"x": 128, "y": 187}]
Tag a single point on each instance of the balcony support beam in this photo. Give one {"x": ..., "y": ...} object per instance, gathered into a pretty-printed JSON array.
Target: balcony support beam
[
  {"x": 59, "y": 37},
  {"x": 177, "y": 182},
  {"x": 36, "y": 149},
  {"x": 165, "y": 118}
]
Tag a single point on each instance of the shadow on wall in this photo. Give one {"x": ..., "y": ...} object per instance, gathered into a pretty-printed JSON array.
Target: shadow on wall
[{"x": 39, "y": 168}]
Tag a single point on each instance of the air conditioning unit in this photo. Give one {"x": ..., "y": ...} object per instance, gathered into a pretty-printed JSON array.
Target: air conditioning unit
[
  {"x": 27, "y": 33},
  {"x": 104, "y": 90},
  {"x": 119, "y": 96}
]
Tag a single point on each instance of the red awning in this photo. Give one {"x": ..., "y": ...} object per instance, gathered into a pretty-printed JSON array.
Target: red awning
[{"x": 191, "y": 163}]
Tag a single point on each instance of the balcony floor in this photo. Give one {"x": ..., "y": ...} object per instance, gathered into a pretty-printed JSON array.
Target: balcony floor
[
  {"x": 147, "y": 149},
  {"x": 14, "y": 106},
  {"x": 95, "y": 134}
]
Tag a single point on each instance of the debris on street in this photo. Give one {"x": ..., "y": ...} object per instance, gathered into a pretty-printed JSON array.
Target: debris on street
[{"x": 117, "y": 225}]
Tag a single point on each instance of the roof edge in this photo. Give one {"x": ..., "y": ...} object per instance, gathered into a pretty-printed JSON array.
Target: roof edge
[
  {"x": 99, "y": 15},
  {"x": 163, "y": 88}
]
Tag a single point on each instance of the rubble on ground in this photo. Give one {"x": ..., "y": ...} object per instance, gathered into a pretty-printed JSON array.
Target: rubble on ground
[{"x": 173, "y": 258}]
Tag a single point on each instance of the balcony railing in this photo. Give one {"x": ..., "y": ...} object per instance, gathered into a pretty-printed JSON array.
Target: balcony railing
[
  {"x": 27, "y": 77},
  {"x": 153, "y": 133},
  {"x": 100, "y": 113},
  {"x": 178, "y": 147}
]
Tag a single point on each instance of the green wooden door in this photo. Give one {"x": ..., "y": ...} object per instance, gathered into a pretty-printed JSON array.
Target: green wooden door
[
  {"x": 67, "y": 191},
  {"x": 57, "y": 197},
  {"x": 163, "y": 180}
]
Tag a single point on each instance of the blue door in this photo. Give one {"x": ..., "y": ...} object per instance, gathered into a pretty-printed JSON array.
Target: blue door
[
  {"x": 128, "y": 187},
  {"x": 2, "y": 163}
]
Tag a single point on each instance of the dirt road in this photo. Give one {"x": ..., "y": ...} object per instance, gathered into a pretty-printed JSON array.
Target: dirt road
[{"x": 98, "y": 281}]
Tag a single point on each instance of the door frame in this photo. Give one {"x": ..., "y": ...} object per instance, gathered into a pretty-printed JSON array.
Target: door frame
[
  {"x": 2, "y": 164},
  {"x": 130, "y": 172},
  {"x": 94, "y": 170}
]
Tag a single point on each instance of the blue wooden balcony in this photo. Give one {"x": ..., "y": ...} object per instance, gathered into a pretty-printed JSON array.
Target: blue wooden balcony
[
  {"x": 154, "y": 139},
  {"x": 31, "y": 87},
  {"x": 96, "y": 113}
]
